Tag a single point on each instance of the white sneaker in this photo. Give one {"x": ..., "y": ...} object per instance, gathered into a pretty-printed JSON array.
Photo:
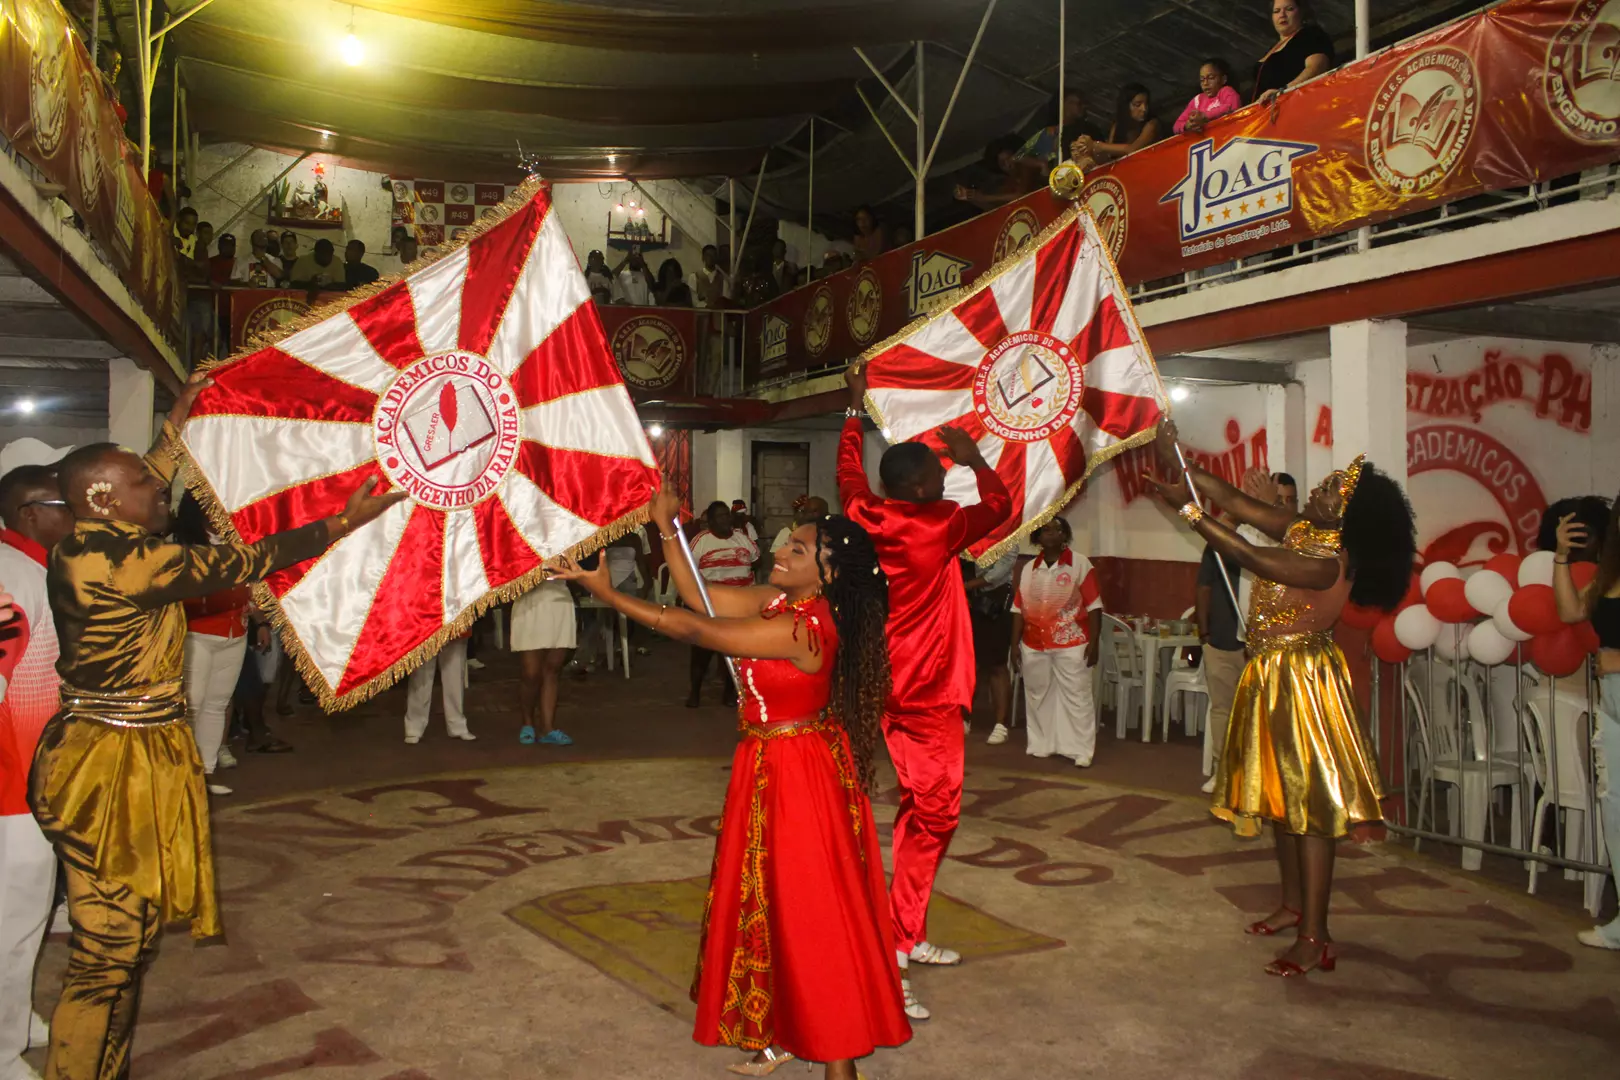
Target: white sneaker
[
  {"x": 18, "y": 1069},
  {"x": 1595, "y": 939},
  {"x": 1083, "y": 762},
  {"x": 412, "y": 740},
  {"x": 914, "y": 1008},
  {"x": 466, "y": 736},
  {"x": 1209, "y": 786},
  {"x": 967, "y": 727},
  {"x": 39, "y": 1031},
  {"x": 924, "y": 953},
  {"x": 218, "y": 789},
  {"x": 475, "y": 664},
  {"x": 998, "y": 735},
  {"x": 226, "y": 759}
]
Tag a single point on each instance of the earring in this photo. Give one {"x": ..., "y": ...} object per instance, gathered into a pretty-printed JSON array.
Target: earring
[{"x": 100, "y": 487}]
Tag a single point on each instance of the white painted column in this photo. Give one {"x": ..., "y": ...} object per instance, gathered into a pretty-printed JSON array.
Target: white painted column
[
  {"x": 129, "y": 404},
  {"x": 1368, "y": 366}
]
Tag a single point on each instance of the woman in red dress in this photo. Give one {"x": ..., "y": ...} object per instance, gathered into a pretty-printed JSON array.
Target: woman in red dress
[{"x": 797, "y": 958}]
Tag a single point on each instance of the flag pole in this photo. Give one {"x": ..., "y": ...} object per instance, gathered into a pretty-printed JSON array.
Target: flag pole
[
  {"x": 1220, "y": 563},
  {"x": 703, "y": 592}
]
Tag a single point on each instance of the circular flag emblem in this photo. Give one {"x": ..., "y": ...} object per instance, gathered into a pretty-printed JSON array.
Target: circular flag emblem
[
  {"x": 1018, "y": 230},
  {"x": 47, "y": 92},
  {"x": 650, "y": 352},
  {"x": 271, "y": 315},
  {"x": 864, "y": 310},
  {"x": 87, "y": 146},
  {"x": 818, "y": 321},
  {"x": 447, "y": 430},
  {"x": 1028, "y": 386},
  {"x": 1421, "y": 121},
  {"x": 1105, "y": 198},
  {"x": 1582, "y": 80}
]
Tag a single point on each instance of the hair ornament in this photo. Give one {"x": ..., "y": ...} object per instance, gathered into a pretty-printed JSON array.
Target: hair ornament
[
  {"x": 100, "y": 487},
  {"x": 1352, "y": 476}
]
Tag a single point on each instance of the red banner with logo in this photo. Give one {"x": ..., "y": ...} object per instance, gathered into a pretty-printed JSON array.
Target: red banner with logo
[
  {"x": 57, "y": 113},
  {"x": 656, "y": 349},
  {"x": 255, "y": 311},
  {"x": 1525, "y": 92},
  {"x": 832, "y": 320}
]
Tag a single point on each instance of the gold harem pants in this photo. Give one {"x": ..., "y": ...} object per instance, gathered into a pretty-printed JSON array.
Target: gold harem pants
[
  {"x": 114, "y": 938},
  {"x": 1296, "y": 754}
]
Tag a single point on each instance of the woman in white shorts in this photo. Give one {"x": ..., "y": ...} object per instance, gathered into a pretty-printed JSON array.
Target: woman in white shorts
[{"x": 543, "y": 634}]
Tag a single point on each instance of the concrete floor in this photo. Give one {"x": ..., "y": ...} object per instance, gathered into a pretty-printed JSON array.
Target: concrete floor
[{"x": 456, "y": 910}]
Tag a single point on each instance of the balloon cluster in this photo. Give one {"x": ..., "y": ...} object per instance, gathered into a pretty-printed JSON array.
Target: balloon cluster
[{"x": 1484, "y": 617}]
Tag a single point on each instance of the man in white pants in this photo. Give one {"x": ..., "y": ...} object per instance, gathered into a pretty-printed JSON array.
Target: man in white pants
[
  {"x": 451, "y": 664},
  {"x": 1057, "y": 623},
  {"x": 36, "y": 518}
]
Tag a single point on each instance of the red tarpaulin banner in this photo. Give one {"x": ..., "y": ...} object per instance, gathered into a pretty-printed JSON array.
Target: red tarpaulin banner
[
  {"x": 1525, "y": 92},
  {"x": 56, "y": 112},
  {"x": 258, "y": 311},
  {"x": 656, "y": 349}
]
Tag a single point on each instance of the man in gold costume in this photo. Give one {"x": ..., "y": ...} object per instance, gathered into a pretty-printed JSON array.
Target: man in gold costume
[
  {"x": 1296, "y": 752},
  {"x": 117, "y": 785}
]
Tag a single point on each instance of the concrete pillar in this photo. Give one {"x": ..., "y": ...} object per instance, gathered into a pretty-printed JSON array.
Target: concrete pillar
[
  {"x": 1368, "y": 365},
  {"x": 129, "y": 404}
]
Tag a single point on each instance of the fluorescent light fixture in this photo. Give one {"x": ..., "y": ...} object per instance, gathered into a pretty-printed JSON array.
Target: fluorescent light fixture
[
  {"x": 1179, "y": 393},
  {"x": 25, "y": 406},
  {"x": 353, "y": 50},
  {"x": 655, "y": 431}
]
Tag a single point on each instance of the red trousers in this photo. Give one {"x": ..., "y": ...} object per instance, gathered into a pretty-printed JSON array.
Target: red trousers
[{"x": 926, "y": 747}]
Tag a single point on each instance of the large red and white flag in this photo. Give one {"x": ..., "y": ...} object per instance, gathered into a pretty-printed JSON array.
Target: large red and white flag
[
  {"x": 483, "y": 386},
  {"x": 1041, "y": 362}
]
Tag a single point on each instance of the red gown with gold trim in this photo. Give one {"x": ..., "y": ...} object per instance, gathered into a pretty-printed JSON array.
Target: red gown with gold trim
[{"x": 797, "y": 948}]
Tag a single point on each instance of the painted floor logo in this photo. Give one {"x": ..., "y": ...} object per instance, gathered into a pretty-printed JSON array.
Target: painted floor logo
[{"x": 1245, "y": 182}]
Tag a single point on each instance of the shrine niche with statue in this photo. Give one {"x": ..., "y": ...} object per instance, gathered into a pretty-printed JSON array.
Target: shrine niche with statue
[{"x": 309, "y": 208}]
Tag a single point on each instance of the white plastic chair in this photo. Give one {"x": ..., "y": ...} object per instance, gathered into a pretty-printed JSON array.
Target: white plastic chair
[
  {"x": 1435, "y": 755},
  {"x": 1564, "y": 778},
  {"x": 1185, "y": 680},
  {"x": 1120, "y": 655}
]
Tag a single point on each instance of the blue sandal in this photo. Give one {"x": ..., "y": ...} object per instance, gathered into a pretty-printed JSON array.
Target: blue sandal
[
  {"x": 556, "y": 737},
  {"x": 526, "y": 735}
]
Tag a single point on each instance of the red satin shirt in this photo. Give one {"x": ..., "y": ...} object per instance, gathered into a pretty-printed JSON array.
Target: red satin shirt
[{"x": 930, "y": 638}]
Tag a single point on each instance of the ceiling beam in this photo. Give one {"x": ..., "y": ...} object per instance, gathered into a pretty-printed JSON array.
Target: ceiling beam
[
  {"x": 1535, "y": 322},
  {"x": 65, "y": 381},
  {"x": 1215, "y": 369},
  {"x": 55, "y": 349}
]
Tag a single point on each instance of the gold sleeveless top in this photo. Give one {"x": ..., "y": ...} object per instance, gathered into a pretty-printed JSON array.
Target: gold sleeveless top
[{"x": 1279, "y": 610}]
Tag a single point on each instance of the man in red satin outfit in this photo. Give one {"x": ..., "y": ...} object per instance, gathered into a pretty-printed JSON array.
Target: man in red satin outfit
[{"x": 919, "y": 534}]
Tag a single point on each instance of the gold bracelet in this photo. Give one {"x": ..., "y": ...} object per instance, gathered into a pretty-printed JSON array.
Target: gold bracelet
[
  {"x": 661, "y": 609},
  {"x": 343, "y": 524},
  {"x": 1192, "y": 513}
]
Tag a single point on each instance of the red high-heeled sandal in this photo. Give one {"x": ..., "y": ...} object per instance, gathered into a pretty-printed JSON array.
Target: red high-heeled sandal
[
  {"x": 1326, "y": 960},
  {"x": 1262, "y": 928}
]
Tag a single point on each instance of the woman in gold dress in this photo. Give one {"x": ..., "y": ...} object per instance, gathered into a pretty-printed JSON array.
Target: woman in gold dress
[{"x": 1296, "y": 752}]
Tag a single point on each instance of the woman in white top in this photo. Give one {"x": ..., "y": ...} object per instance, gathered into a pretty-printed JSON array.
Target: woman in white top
[
  {"x": 725, "y": 558},
  {"x": 543, "y": 633}
]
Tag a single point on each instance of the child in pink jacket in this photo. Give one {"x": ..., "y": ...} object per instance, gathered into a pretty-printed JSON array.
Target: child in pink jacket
[{"x": 1216, "y": 97}]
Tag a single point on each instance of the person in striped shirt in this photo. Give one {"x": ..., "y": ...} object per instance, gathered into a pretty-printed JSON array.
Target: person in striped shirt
[
  {"x": 725, "y": 558},
  {"x": 1057, "y": 622}
]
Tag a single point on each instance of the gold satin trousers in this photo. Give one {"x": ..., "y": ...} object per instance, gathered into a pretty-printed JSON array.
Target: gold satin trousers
[
  {"x": 1296, "y": 753},
  {"x": 114, "y": 938}
]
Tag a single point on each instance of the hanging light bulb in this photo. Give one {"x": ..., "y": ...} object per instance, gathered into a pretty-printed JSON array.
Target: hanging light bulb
[
  {"x": 353, "y": 50},
  {"x": 1179, "y": 393},
  {"x": 655, "y": 431},
  {"x": 618, "y": 208}
]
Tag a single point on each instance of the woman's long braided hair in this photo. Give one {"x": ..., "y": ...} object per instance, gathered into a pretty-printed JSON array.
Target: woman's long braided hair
[{"x": 857, "y": 590}]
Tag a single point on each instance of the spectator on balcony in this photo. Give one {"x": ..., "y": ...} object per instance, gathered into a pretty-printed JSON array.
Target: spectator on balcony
[
  {"x": 672, "y": 290},
  {"x": 185, "y": 232},
  {"x": 289, "y": 257},
  {"x": 1047, "y": 145},
  {"x": 320, "y": 269},
  {"x": 221, "y": 265},
  {"x": 1215, "y": 97},
  {"x": 111, "y": 63},
  {"x": 1018, "y": 175},
  {"x": 871, "y": 240},
  {"x": 200, "y": 251},
  {"x": 713, "y": 284},
  {"x": 1134, "y": 127},
  {"x": 597, "y": 274},
  {"x": 258, "y": 267},
  {"x": 783, "y": 273},
  {"x": 356, "y": 271},
  {"x": 1303, "y": 51},
  {"x": 633, "y": 282}
]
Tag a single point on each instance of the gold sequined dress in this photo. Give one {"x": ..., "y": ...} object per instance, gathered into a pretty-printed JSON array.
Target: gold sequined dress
[
  {"x": 117, "y": 784},
  {"x": 1296, "y": 753}
]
